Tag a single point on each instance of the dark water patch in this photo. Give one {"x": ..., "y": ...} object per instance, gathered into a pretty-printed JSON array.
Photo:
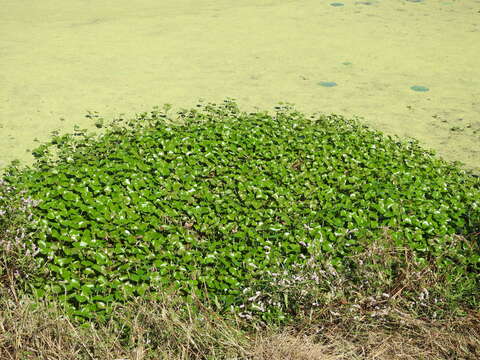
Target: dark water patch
[
  {"x": 419, "y": 88},
  {"x": 337, "y": 4},
  {"x": 327, "y": 83}
]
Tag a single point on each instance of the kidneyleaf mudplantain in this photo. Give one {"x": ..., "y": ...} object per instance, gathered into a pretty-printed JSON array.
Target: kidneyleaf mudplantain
[{"x": 210, "y": 205}]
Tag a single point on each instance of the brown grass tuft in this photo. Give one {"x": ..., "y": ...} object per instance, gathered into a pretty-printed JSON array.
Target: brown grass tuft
[{"x": 159, "y": 331}]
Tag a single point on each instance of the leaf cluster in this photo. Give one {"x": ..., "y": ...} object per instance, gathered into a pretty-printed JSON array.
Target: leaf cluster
[{"x": 209, "y": 205}]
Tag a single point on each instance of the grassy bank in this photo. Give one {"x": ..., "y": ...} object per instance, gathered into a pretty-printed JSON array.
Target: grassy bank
[{"x": 223, "y": 234}]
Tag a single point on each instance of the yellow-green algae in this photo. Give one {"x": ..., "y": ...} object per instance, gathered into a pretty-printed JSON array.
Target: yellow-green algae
[{"x": 61, "y": 59}]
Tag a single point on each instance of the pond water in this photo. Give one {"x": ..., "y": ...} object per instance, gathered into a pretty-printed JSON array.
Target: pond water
[{"x": 404, "y": 67}]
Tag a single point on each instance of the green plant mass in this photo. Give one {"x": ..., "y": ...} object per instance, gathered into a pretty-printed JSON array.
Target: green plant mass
[{"x": 210, "y": 205}]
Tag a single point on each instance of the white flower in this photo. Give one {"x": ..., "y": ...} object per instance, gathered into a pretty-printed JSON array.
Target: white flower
[{"x": 254, "y": 297}]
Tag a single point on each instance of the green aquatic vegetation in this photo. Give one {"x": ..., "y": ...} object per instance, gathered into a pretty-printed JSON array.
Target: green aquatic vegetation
[{"x": 212, "y": 204}]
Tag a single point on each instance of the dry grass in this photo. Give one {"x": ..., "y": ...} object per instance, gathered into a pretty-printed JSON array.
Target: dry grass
[
  {"x": 417, "y": 341},
  {"x": 159, "y": 331}
]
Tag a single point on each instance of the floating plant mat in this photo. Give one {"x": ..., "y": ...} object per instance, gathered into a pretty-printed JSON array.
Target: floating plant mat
[{"x": 60, "y": 62}]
